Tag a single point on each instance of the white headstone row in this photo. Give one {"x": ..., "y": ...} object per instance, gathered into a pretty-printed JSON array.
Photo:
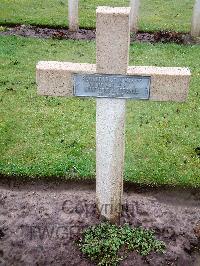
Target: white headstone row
[{"x": 73, "y": 17}]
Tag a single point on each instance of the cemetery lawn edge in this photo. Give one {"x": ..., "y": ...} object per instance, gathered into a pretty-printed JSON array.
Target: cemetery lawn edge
[
  {"x": 173, "y": 15},
  {"x": 44, "y": 136}
]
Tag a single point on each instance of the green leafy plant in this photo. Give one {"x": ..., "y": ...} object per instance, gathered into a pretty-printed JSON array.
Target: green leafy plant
[
  {"x": 2, "y": 28},
  {"x": 102, "y": 243}
]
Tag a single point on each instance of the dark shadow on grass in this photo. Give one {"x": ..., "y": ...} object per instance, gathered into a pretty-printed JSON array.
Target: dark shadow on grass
[{"x": 89, "y": 183}]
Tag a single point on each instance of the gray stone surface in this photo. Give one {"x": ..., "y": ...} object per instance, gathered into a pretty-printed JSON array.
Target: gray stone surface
[
  {"x": 112, "y": 58},
  {"x": 110, "y": 124},
  {"x": 195, "y": 29},
  {"x": 167, "y": 83},
  {"x": 55, "y": 78},
  {"x": 73, "y": 14},
  {"x": 112, "y": 40},
  {"x": 134, "y": 15}
]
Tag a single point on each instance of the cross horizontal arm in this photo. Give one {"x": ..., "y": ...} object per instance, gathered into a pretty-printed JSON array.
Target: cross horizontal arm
[
  {"x": 167, "y": 83},
  {"x": 55, "y": 78}
]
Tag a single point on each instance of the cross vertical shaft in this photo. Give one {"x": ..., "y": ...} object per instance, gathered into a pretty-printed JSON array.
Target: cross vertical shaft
[{"x": 112, "y": 44}]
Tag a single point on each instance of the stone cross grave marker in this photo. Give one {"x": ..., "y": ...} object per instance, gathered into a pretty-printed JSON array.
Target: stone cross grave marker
[{"x": 111, "y": 81}]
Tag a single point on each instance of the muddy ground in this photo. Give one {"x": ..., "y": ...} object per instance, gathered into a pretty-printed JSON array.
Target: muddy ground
[
  {"x": 89, "y": 34},
  {"x": 39, "y": 222}
]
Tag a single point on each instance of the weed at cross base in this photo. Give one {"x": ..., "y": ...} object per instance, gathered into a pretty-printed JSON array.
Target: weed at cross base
[{"x": 103, "y": 242}]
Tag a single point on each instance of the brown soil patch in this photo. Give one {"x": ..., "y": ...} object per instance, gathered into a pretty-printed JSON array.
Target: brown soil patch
[
  {"x": 40, "y": 221},
  {"x": 89, "y": 34}
]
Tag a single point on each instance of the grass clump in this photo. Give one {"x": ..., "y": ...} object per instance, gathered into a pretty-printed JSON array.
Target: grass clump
[
  {"x": 2, "y": 28},
  {"x": 108, "y": 244}
]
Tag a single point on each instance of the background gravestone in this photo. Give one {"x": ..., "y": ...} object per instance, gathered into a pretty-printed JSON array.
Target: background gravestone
[{"x": 195, "y": 31}]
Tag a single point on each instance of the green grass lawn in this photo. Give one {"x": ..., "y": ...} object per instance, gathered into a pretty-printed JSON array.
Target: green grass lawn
[
  {"x": 44, "y": 136},
  {"x": 154, "y": 15}
]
